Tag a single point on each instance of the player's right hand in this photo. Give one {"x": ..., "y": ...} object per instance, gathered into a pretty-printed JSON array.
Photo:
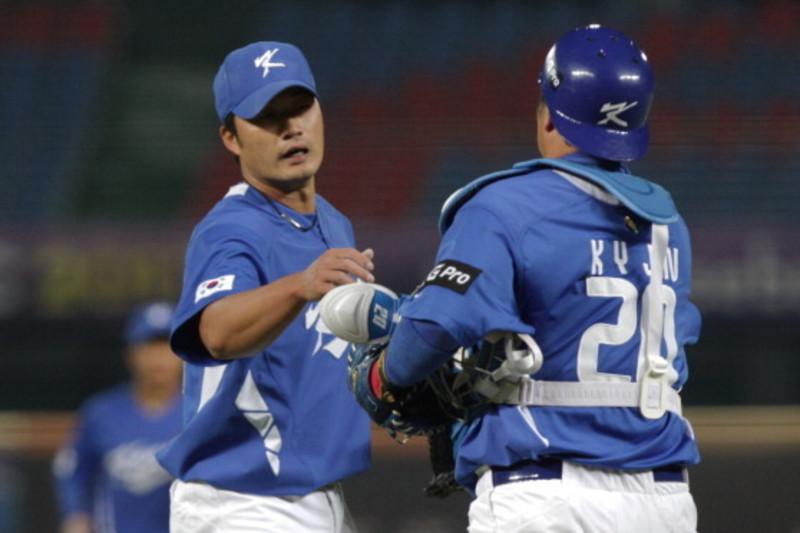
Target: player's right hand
[{"x": 338, "y": 266}]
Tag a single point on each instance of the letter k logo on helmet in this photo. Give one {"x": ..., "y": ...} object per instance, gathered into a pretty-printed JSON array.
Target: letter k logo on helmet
[{"x": 613, "y": 110}]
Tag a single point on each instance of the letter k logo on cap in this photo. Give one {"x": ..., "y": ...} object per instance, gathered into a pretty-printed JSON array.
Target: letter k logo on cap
[{"x": 265, "y": 61}]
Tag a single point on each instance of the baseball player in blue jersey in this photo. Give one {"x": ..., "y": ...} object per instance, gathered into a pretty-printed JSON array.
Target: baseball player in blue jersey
[
  {"x": 270, "y": 428},
  {"x": 107, "y": 478},
  {"x": 577, "y": 274}
]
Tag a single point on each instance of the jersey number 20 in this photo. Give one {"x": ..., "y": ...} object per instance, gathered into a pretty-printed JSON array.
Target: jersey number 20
[{"x": 625, "y": 328}]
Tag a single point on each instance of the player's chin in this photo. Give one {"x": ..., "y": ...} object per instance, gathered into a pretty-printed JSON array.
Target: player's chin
[
  {"x": 303, "y": 171},
  {"x": 290, "y": 182}
]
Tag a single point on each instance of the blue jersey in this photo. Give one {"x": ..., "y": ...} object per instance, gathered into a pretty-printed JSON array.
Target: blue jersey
[
  {"x": 109, "y": 469},
  {"x": 281, "y": 422},
  {"x": 552, "y": 255}
]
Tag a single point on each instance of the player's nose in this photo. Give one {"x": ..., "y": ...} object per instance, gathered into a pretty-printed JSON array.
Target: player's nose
[{"x": 291, "y": 127}]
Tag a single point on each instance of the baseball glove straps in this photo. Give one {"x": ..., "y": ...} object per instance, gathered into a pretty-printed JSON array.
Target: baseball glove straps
[
  {"x": 361, "y": 313},
  {"x": 362, "y": 363}
]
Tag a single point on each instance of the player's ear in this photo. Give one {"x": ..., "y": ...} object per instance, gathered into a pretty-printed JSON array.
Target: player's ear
[
  {"x": 544, "y": 117},
  {"x": 229, "y": 140}
]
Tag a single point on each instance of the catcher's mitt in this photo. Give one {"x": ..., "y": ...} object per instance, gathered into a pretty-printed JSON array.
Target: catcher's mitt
[
  {"x": 458, "y": 391},
  {"x": 408, "y": 411}
]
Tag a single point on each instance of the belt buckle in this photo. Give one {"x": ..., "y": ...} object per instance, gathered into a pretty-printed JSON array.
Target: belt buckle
[{"x": 528, "y": 470}]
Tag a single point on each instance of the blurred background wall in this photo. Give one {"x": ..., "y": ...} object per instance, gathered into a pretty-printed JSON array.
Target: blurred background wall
[{"x": 109, "y": 154}]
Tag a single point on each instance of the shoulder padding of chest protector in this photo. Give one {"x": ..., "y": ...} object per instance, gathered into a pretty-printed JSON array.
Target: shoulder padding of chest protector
[{"x": 645, "y": 198}]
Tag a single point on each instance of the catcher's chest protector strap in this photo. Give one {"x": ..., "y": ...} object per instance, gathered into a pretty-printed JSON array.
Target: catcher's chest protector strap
[
  {"x": 646, "y": 199},
  {"x": 575, "y": 394},
  {"x": 653, "y": 394}
]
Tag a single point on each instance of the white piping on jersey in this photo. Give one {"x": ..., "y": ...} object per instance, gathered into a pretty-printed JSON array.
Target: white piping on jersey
[
  {"x": 589, "y": 188},
  {"x": 212, "y": 377},
  {"x": 255, "y": 409},
  {"x": 237, "y": 190},
  {"x": 528, "y": 417}
]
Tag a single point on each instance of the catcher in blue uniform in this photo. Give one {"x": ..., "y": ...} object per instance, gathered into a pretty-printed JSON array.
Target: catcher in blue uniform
[{"x": 562, "y": 287}]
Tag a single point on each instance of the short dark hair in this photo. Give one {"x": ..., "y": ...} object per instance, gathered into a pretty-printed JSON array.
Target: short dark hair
[{"x": 230, "y": 124}]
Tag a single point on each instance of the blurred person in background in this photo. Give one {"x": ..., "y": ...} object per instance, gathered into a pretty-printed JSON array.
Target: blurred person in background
[{"x": 107, "y": 478}]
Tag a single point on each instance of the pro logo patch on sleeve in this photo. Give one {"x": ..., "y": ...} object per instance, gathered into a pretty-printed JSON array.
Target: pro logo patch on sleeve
[
  {"x": 453, "y": 275},
  {"x": 211, "y": 286}
]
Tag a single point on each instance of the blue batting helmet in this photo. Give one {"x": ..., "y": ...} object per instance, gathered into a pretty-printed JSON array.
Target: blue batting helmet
[{"x": 598, "y": 86}]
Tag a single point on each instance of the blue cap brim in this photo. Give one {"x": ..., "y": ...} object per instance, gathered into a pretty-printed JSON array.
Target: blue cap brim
[
  {"x": 148, "y": 323},
  {"x": 251, "y": 106}
]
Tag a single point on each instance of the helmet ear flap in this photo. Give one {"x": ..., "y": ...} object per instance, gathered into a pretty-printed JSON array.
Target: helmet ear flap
[{"x": 598, "y": 86}]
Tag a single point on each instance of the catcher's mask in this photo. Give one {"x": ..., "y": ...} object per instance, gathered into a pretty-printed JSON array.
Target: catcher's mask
[{"x": 484, "y": 374}]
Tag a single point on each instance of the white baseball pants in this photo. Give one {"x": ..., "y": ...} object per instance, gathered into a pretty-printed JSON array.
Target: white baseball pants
[
  {"x": 584, "y": 500},
  {"x": 197, "y": 507}
]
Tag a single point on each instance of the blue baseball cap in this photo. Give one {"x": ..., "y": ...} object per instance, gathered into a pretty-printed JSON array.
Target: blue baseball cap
[
  {"x": 251, "y": 76},
  {"x": 149, "y": 322}
]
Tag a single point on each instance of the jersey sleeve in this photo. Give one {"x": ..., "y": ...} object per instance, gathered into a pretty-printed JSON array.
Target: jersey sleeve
[
  {"x": 470, "y": 290},
  {"x": 220, "y": 261}
]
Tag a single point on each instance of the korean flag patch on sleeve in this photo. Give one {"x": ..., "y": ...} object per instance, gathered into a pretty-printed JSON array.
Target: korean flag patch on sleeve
[{"x": 211, "y": 286}]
